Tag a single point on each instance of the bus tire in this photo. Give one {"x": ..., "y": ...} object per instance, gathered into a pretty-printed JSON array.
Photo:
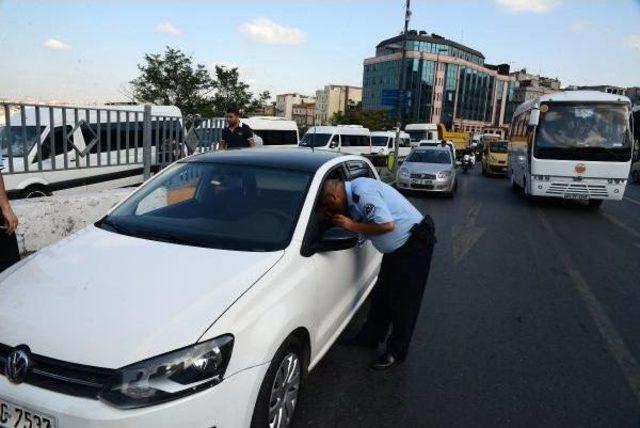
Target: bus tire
[{"x": 35, "y": 191}]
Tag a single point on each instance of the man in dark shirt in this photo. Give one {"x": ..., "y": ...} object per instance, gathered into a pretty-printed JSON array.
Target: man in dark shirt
[{"x": 236, "y": 135}]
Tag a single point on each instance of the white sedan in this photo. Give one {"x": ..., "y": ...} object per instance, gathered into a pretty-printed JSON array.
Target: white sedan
[{"x": 201, "y": 300}]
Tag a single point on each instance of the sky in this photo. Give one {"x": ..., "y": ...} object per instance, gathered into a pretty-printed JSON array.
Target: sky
[{"x": 87, "y": 51}]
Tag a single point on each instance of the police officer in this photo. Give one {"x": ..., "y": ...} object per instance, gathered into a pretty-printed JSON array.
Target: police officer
[
  {"x": 8, "y": 222},
  {"x": 236, "y": 135},
  {"x": 406, "y": 238}
]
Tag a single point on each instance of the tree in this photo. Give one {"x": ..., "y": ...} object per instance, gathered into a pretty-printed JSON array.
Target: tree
[
  {"x": 374, "y": 120},
  {"x": 173, "y": 79}
]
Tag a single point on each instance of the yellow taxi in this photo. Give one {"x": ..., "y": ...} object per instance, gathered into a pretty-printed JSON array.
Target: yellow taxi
[{"x": 494, "y": 158}]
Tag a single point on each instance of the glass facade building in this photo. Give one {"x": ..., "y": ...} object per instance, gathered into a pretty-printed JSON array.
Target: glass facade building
[{"x": 446, "y": 83}]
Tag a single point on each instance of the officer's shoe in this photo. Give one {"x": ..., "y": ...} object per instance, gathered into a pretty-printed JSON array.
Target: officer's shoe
[{"x": 385, "y": 361}]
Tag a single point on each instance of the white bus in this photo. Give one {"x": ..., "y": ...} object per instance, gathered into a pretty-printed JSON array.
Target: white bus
[
  {"x": 350, "y": 139},
  {"x": 271, "y": 131},
  {"x": 76, "y": 147},
  {"x": 421, "y": 131},
  {"x": 572, "y": 145}
]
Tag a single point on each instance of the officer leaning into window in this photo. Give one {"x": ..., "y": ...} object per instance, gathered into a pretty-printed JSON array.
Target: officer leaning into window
[
  {"x": 236, "y": 135},
  {"x": 406, "y": 237},
  {"x": 9, "y": 253}
]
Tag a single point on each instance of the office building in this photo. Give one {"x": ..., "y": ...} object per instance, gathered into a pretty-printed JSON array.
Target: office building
[
  {"x": 304, "y": 114},
  {"x": 335, "y": 99},
  {"x": 530, "y": 86},
  {"x": 285, "y": 102},
  {"x": 446, "y": 82}
]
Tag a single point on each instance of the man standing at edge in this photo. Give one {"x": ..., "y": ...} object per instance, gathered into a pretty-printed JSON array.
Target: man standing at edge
[
  {"x": 236, "y": 135},
  {"x": 9, "y": 253},
  {"x": 406, "y": 238}
]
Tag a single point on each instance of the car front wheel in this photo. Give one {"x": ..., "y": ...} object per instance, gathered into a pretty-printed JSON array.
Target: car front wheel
[{"x": 278, "y": 396}]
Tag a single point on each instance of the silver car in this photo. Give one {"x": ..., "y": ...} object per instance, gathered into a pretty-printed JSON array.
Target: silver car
[{"x": 430, "y": 169}]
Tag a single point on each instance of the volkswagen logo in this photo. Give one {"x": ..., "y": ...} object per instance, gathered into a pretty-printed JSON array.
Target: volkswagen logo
[
  {"x": 18, "y": 365},
  {"x": 580, "y": 168}
]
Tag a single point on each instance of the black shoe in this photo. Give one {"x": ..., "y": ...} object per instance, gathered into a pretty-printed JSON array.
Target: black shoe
[{"x": 385, "y": 361}]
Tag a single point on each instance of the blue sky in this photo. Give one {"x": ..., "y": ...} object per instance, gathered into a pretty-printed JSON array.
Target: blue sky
[{"x": 87, "y": 50}]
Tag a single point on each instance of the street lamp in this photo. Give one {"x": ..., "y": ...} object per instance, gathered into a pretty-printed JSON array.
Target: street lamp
[
  {"x": 401, "y": 95},
  {"x": 435, "y": 77}
]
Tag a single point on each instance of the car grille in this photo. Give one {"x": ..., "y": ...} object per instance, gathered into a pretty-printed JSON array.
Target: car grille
[
  {"x": 591, "y": 190},
  {"x": 59, "y": 376},
  {"x": 427, "y": 176}
]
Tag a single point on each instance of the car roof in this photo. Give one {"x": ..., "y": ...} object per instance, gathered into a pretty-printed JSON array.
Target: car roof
[{"x": 297, "y": 159}]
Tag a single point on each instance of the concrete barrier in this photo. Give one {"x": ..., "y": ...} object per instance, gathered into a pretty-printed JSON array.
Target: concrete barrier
[{"x": 44, "y": 221}]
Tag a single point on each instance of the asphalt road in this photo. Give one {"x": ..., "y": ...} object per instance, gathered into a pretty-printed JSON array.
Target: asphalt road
[{"x": 531, "y": 317}]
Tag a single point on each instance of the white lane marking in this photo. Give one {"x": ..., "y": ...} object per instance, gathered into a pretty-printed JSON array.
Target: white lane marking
[
  {"x": 617, "y": 347},
  {"x": 622, "y": 225},
  {"x": 633, "y": 201},
  {"x": 467, "y": 235}
]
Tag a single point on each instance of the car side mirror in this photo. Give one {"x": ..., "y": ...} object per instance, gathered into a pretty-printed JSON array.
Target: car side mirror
[
  {"x": 333, "y": 145},
  {"x": 336, "y": 239}
]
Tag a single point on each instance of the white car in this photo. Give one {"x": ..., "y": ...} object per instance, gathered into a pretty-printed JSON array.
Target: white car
[{"x": 201, "y": 300}]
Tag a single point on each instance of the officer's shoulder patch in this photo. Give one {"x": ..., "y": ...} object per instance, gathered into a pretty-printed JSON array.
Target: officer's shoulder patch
[{"x": 369, "y": 209}]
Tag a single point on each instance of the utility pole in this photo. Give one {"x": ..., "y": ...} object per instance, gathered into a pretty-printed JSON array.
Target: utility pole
[{"x": 402, "y": 90}]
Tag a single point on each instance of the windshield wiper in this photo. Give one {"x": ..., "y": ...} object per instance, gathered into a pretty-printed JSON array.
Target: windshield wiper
[{"x": 106, "y": 221}]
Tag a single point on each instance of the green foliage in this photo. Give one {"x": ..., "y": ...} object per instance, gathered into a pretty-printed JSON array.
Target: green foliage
[
  {"x": 374, "y": 120},
  {"x": 173, "y": 79}
]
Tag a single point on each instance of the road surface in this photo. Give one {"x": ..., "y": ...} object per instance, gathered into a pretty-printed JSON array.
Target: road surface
[{"x": 531, "y": 317}]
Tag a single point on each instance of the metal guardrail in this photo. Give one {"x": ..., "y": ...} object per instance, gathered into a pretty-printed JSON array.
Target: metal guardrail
[{"x": 45, "y": 145}]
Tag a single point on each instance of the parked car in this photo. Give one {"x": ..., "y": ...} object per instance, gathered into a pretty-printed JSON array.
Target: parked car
[
  {"x": 431, "y": 169},
  {"x": 203, "y": 299}
]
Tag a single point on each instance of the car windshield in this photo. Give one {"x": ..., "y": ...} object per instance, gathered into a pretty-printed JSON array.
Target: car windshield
[
  {"x": 22, "y": 139},
  {"x": 315, "y": 139},
  {"x": 379, "y": 141},
  {"x": 498, "y": 147},
  {"x": 429, "y": 156},
  {"x": 212, "y": 205},
  {"x": 583, "y": 132}
]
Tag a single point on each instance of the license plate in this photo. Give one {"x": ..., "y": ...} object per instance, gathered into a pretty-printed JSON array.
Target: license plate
[
  {"x": 14, "y": 416},
  {"x": 575, "y": 196},
  {"x": 423, "y": 182}
]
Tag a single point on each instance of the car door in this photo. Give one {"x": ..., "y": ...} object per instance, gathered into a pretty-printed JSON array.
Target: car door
[{"x": 334, "y": 277}]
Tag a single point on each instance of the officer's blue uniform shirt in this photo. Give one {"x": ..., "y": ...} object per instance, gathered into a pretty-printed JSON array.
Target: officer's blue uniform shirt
[{"x": 371, "y": 201}]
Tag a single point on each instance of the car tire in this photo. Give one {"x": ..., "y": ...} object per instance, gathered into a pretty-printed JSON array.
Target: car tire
[
  {"x": 281, "y": 386},
  {"x": 35, "y": 191}
]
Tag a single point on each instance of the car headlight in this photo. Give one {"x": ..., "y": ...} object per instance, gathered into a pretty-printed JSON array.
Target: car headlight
[
  {"x": 444, "y": 174},
  {"x": 404, "y": 172},
  {"x": 170, "y": 376}
]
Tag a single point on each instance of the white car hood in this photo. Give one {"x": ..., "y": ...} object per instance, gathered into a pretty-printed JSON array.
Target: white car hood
[{"x": 109, "y": 300}]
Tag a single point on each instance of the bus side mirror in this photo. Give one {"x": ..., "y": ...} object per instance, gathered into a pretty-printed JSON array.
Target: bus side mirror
[{"x": 534, "y": 119}]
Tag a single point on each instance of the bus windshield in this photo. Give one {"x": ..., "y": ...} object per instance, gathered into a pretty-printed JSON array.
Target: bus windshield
[
  {"x": 312, "y": 139},
  {"x": 598, "y": 132}
]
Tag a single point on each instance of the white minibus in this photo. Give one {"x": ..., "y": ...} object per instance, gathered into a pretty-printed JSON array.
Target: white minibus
[
  {"x": 271, "y": 131},
  {"x": 382, "y": 143},
  {"x": 350, "y": 139},
  {"x": 572, "y": 145}
]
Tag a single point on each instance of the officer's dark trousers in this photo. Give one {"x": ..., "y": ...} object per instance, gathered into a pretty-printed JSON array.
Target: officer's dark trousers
[
  {"x": 397, "y": 296},
  {"x": 9, "y": 253}
]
